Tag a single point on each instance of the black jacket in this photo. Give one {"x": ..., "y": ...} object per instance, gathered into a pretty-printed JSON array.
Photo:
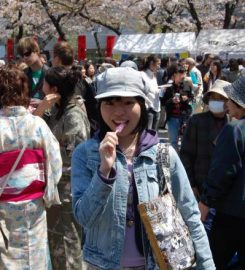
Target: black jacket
[
  {"x": 86, "y": 90},
  {"x": 198, "y": 145},
  {"x": 225, "y": 185}
]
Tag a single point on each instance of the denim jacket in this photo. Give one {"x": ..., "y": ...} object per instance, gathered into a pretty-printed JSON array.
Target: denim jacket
[{"x": 101, "y": 208}]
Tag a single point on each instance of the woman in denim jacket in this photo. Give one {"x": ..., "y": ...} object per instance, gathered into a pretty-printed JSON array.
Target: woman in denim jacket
[{"x": 117, "y": 169}]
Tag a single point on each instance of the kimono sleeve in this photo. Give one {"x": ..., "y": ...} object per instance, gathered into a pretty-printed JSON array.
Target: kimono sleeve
[{"x": 53, "y": 164}]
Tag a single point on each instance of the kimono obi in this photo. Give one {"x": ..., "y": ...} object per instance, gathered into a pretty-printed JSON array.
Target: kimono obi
[{"x": 27, "y": 182}]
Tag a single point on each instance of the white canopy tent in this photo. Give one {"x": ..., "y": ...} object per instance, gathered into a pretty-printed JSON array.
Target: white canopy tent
[
  {"x": 220, "y": 41},
  {"x": 168, "y": 43}
]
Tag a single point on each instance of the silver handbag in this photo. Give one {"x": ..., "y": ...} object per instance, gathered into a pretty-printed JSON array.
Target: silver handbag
[{"x": 166, "y": 230}]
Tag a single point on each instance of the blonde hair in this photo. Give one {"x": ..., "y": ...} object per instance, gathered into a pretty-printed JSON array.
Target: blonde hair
[{"x": 27, "y": 44}]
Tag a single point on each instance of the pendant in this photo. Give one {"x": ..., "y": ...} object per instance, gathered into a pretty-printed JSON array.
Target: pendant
[{"x": 130, "y": 223}]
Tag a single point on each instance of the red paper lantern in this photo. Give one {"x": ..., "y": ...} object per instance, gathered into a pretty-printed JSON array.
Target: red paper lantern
[
  {"x": 81, "y": 47},
  {"x": 110, "y": 41},
  {"x": 10, "y": 49}
]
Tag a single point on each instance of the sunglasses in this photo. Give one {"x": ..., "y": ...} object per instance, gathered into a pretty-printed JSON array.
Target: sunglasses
[{"x": 27, "y": 54}]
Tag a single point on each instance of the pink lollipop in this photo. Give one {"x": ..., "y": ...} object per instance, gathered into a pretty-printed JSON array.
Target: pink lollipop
[{"x": 119, "y": 128}]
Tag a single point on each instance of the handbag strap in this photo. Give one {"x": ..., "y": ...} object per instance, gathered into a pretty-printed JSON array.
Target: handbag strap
[
  {"x": 163, "y": 160},
  {"x": 13, "y": 168}
]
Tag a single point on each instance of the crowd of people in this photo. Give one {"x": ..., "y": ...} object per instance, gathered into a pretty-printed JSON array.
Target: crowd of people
[{"x": 78, "y": 147}]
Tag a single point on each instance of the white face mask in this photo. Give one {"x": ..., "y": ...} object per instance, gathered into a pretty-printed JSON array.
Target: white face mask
[{"x": 216, "y": 106}]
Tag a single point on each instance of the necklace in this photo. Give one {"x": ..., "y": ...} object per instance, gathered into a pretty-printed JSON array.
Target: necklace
[{"x": 130, "y": 150}]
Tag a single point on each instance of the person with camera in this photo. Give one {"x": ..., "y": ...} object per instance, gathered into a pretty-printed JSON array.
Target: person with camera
[
  {"x": 178, "y": 111},
  {"x": 176, "y": 102}
]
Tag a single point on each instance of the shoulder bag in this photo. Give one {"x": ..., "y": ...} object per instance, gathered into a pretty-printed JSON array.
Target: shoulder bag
[{"x": 166, "y": 230}]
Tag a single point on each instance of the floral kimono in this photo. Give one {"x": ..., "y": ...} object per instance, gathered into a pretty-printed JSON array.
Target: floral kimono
[{"x": 31, "y": 185}]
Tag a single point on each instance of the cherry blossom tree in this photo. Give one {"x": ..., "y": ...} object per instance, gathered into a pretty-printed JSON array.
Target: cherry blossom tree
[
  {"x": 215, "y": 14},
  {"x": 190, "y": 15},
  {"x": 47, "y": 18},
  {"x": 24, "y": 18}
]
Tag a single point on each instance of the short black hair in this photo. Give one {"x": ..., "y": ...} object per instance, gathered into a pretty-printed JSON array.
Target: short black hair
[
  {"x": 65, "y": 80},
  {"x": 143, "y": 122},
  {"x": 199, "y": 58},
  {"x": 179, "y": 69}
]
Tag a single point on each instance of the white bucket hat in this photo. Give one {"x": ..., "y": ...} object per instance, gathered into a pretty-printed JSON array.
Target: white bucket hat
[{"x": 218, "y": 87}]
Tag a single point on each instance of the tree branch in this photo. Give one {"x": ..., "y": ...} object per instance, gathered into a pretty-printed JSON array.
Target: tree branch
[
  {"x": 194, "y": 15},
  {"x": 147, "y": 19},
  {"x": 110, "y": 27},
  {"x": 55, "y": 21},
  {"x": 176, "y": 12},
  {"x": 21, "y": 28},
  {"x": 229, "y": 10}
]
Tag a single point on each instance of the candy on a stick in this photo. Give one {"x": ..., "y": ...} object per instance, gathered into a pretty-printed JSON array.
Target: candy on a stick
[{"x": 119, "y": 128}]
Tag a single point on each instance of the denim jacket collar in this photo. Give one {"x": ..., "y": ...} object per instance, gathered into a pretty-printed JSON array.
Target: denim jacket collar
[
  {"x": 150, "y": 152},
  {"x": 148, "y": 138}
]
